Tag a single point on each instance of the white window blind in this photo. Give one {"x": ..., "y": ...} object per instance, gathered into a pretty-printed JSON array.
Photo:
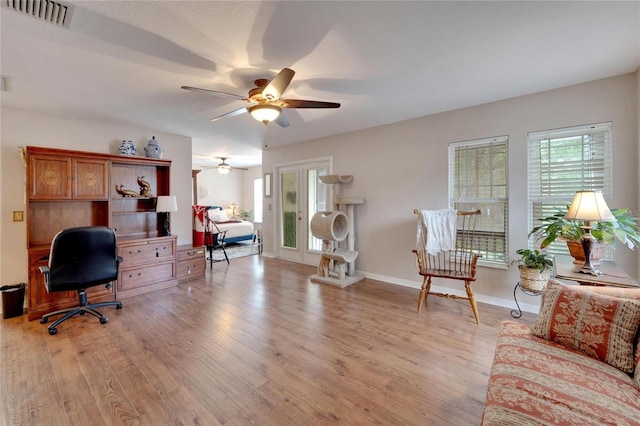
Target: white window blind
[
  {"x": 478, "y": 180},
  {"x": 564, "y": 161}
]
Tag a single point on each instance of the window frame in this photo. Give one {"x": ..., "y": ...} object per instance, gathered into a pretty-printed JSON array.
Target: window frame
[
  {"x": 492, "y": 258},
  {"x": 596, "y": 173}
]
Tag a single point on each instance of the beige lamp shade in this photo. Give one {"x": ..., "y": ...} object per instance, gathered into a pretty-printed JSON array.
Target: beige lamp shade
[
  {"x": 589, "y": 206},
  {"x": 166, "y": 203}
]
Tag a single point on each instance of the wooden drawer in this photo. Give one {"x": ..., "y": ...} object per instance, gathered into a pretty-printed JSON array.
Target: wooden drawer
[
  {"x": 139, "y": 277},
  {"x": 189, "y": 252},
  {"x": 191, "y": 262},
  {"x": 191, "y": 268},
  {"x": 143, "y": 252}
]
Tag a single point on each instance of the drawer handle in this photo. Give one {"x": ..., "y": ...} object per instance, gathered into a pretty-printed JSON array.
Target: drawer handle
[{"x": 157, "y": 254}]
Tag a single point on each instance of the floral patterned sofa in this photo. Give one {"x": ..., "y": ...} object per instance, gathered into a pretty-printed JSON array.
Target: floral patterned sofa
[{"x": 578, "y": 364}]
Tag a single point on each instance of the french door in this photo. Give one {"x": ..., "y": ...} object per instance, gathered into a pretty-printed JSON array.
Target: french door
[{"x": 300, "y": 195}]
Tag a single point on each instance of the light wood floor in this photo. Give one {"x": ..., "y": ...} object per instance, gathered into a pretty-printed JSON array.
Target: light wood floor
[{"x": 255, "y": 343}]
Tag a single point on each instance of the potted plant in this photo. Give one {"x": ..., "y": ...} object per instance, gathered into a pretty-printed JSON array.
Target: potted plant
[
  {"x": 556, "y": 227},
  {"x": 535, "y": 269},
  {"x": 245, "y": 214}
]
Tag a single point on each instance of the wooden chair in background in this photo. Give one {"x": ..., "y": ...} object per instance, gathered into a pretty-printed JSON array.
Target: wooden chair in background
[{"x": 459, "y": 264}]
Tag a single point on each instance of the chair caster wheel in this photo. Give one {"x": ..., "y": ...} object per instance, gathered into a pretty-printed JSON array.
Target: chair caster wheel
[
  {"x": 104, "y": 320},
  {"x": 119, "y": 306},
  {"x": 43, "y": 320},
  {"x": 53, "y": 331}
]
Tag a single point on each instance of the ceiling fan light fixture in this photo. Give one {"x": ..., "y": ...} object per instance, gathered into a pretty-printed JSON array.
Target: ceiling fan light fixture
[
  {"x": 265, "y": 113},
  {"x": 224, "y": 168}
]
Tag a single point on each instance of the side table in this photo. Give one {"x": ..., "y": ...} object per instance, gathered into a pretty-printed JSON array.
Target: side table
[
  {"x": 518, "y": 313},
  {"x": 611, "y": 274}
]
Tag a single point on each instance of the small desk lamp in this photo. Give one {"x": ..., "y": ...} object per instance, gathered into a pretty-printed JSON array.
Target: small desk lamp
[
  {"x": 166, "y": 204},
  {"x": 588, "y": 206}
]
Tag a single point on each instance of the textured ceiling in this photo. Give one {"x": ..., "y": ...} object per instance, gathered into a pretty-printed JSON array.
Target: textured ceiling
[{"x": 384, "y": 61}]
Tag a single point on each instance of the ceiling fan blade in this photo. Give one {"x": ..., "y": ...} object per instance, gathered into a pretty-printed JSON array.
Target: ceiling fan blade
[
  {"x": 214, "y": 92},
  {"x": 231, "y": 113},
  {"x": 239, "y": 168},
  {"x": 282, "y": 120},
  {"x": 297, "y": 103},
  {"x": 278, "y": 85}
]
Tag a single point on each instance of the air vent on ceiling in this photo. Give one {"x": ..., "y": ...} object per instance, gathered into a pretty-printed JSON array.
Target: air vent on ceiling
[{"x": 50, "y": 11}]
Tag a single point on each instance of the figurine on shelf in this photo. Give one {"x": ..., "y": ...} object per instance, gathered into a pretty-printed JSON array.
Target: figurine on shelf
[
  {"x": 145, "y": 187},
  {"x": 126, "y": 192}
]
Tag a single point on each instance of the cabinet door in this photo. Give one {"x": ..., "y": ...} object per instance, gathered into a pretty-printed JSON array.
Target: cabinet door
[
  {"x": 90, "y": 179},
  {"x": 49, "y": 177},
  {"x": 40, "y": 301}
]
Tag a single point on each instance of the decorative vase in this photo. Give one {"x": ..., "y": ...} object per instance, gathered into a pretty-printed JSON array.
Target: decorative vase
[
  {"x": 127, "y": 148},
  {"x": 153, "y": 149},
  {"x": 576, "y": 250}
]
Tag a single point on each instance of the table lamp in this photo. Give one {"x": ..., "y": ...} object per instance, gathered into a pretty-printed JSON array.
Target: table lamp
[
  {"x": 166, "y": 204},
  {"x": 589, "y": 206}
]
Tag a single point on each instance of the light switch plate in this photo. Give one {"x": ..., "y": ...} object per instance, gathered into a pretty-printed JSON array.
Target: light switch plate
[{"x": 18, "y": 216}]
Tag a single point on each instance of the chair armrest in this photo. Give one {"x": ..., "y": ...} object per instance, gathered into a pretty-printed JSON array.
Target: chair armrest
[{"x": 45, "y": 272}]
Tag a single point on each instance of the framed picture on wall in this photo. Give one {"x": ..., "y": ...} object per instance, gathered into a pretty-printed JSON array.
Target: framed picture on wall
[{"x": 267, "y": 184}]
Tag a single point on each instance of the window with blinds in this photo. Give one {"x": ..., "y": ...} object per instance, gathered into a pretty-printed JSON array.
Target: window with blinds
[
  {"x": 478, "y": 180},
  {"x": 564, "y": 161}
]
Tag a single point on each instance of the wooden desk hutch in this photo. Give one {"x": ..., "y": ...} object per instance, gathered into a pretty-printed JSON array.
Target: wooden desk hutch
[{"x": 72, "y": 188}]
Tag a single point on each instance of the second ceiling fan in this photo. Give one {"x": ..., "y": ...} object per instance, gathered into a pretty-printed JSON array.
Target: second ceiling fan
[
  {"x": 266, "y": 103},
  {"x": 224, "y": 167}
]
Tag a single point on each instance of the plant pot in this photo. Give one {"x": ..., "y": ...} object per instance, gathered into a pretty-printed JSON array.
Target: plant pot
[
  {"x": 575, "y": 249},
  {"x": 532, "y": 279}
]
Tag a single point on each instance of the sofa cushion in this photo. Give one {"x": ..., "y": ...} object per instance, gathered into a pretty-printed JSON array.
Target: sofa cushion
[
  {"x": 629, "y": 293},
  {"x": 539, "y": 382},
  {"x": 597, "y": 324}
]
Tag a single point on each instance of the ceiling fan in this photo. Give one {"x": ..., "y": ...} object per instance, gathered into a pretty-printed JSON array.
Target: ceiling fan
[
  {"x": 266, "y": 104},
  {"x": 224, "y": 167}
]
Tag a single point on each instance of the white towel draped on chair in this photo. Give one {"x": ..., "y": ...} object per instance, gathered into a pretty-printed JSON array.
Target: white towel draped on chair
[{"x": 436, "y": 230}]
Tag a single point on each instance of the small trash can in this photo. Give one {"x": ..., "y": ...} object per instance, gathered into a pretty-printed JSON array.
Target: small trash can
[{"x": 12, "y": 300}]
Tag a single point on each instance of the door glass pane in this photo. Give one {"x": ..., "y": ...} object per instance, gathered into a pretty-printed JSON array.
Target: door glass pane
[
  {"x": 289, "y": 209},
  {"x": 316, "y": 202}
]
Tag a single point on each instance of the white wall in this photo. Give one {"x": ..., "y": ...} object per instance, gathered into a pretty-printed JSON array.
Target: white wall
[
  {"x": 222, "y": 190},
  {"x": 26, "y": 128},
  {"x": 402, "y": 166}
]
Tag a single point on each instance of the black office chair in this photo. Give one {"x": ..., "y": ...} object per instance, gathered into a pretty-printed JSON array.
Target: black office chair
[{"x": 81, "y": 258}]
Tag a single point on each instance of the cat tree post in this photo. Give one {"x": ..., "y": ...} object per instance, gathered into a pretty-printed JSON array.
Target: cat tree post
[{"x": 343, "y": 272}]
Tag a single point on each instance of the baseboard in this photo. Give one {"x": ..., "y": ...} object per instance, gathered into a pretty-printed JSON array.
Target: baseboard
[{"x": 503, "y": 303}]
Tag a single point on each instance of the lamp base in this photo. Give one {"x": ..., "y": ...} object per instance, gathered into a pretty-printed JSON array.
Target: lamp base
[
  {"x": 588, "y": 242},
  {"x": 588, "y": 270},
  {"x": 165, "y": 226}
]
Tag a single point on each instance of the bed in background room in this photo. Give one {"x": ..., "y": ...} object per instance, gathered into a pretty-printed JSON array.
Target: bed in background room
[{"x": 237, "y": 230}]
